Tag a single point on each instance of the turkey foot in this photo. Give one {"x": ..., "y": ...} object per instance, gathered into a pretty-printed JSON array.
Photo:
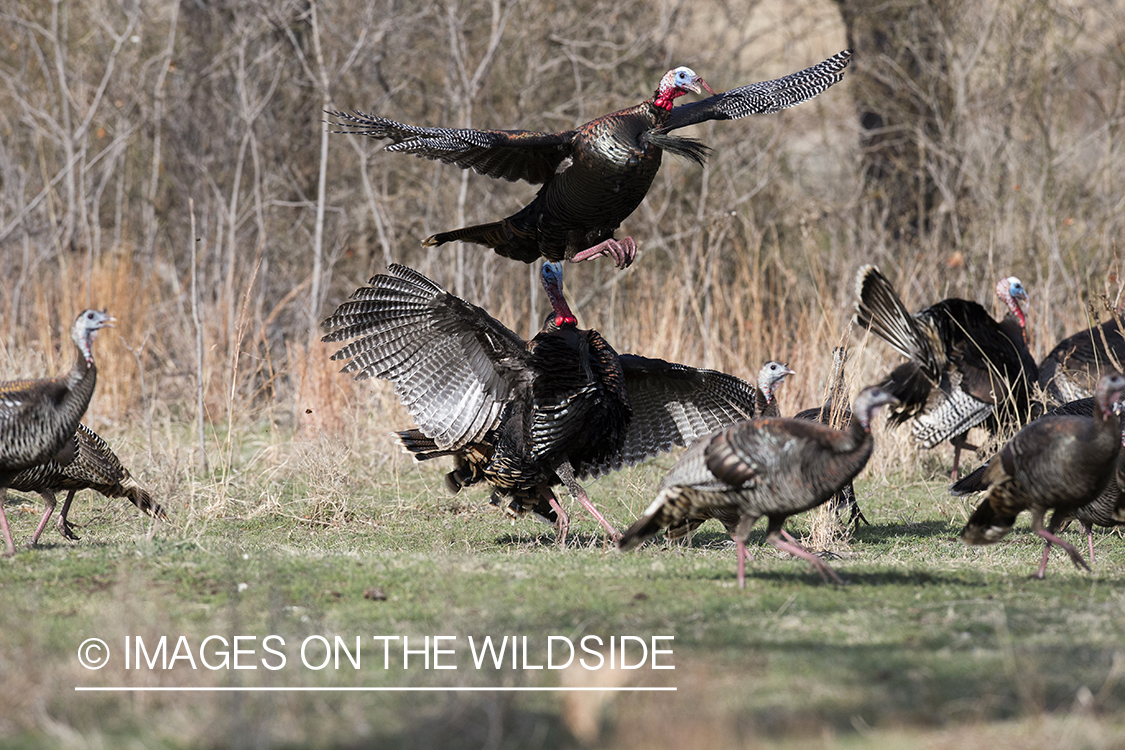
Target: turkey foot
[
  {"x": 566, "y": 474},
  {"x": 66, "y": 528},
  {"x": 622, "y": 252},
  {"x": 959, "y": 444},
  {"x": 798, "y": 551},
  {"x": 740, "y": 549},
  {"x": 9, "y": 546},
  {"x": 42, "y": 524},
  {"x": 562, "y": 520},
  {"x": 1075, "y": 555}
]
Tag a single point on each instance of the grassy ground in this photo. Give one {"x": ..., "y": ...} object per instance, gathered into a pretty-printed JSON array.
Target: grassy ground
[{"x": 931, "y": 643}]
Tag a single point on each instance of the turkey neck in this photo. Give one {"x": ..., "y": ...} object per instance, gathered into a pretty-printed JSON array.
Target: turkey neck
[
  {"x": 856, "y": 440},
  {"x": 79, "y": 384}
]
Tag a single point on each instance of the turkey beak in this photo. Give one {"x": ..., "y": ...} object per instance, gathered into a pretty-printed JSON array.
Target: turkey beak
[{"x": 697, "y": 82}]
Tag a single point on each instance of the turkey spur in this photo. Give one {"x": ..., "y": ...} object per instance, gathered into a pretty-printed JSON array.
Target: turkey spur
[
  {"x": 523, "y": 416},
  {"x": 596, "y": 175}
]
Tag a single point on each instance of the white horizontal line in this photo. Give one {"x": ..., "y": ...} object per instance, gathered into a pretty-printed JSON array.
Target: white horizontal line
[{"x": 375, "y": 689}]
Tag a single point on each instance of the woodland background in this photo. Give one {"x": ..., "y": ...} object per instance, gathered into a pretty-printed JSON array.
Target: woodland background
[{"x": 169, "y": 161}]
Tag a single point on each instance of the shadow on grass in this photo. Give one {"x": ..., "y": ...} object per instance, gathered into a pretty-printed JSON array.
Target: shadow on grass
[
  {"x": 796, "y": 571},
  {"x": 574, "y": 540},
  {"x": 488, "y": 722},
  {"x": 710, "y": 537},
  {"x": 882, "y": 532}
]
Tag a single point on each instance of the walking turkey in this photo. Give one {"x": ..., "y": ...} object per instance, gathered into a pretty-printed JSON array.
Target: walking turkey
[
  {"x": 769, "y": 467},
  {"x": 964, "y": 369},
  {"x": 834, "y": 412},
  {"x": 1072, "y": 369},
  {"x": 87, "y": 462},
  {"x": 523, "y": 416},
  {"x": 38, "y": 417},
  {"x": 770, "y": 378},
  {"x": 1058, "y": 463},
  {"x": 1100, "y": 511},
  {"x": 594, "y": 176}
]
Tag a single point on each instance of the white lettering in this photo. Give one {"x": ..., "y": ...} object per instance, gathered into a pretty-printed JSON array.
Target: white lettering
[
  {"x": 550, "y": 642},
  {"x": 225, "y": 654},
  {"x": 266, "y": 646},
  {"x": 327, "y": 652}
]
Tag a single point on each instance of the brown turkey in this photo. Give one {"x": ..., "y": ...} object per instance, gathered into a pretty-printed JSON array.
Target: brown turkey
[
  {"x": 770, "y": 467},
  {"x": 1072, "y": 369},
  {"x": 770, "y": 378},
  {"x": 1100, "y": 511},
  {"x": 523, "y": 415},
  {"x": 596, "y": 175},
  {"x": 87, "y": 462},
  {"x": 1058, "y": 463},
  {"x": 38, "y": 417},
  {"x": 965, "y": 368},
  {"x": 834, "y": 412}
]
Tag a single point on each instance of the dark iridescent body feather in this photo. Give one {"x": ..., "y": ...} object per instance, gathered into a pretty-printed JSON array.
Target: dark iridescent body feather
[
  {"x": 1071, "y": 370},
  {"x": 86, "y": 463},
  {"x": 835, "y": 412},
  {"x": 964, "y": 368},
  {"x": 1057, "y": 463},
  {"x": 594, "y": 176},
  {"x": 771, "y": 467},
  {"x": 37, "y": 417},
  {"x": 508, "y": 411},
  {"x": 1098, "y": 512}
]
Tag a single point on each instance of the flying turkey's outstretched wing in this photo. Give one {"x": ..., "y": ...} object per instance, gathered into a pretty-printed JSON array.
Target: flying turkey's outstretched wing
[
  {"x": 508, "y": 154},
  {"x": 673, "y": 405},
  {"x": 762, "y": 97},
  {"x": 453, "y": 365}
]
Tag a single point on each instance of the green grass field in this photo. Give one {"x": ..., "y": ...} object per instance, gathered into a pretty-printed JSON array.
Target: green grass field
[{"x": 932, "y": 643}]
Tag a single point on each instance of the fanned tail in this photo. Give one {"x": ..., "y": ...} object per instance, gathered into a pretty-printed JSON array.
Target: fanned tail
[{"x": 879, "y": 309}]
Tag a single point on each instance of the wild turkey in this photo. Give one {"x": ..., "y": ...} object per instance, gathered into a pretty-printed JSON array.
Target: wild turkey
[
  {"x": 594, "y": 176},
  {"x": 965, "y": 369},
  {"x": 1057, "y": 463},
  {"x": 1072, "y": 369},
  {"x": 769, "y": 467},
  {"x": 87, "y": 462},
  {"x": 523, "y": 416},
  {"x": 770, "y": 378},
  {"x": 38, "y": 417},
  {"x": 1100, "y": 511},
  {"x": 834, "y": 412}
]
